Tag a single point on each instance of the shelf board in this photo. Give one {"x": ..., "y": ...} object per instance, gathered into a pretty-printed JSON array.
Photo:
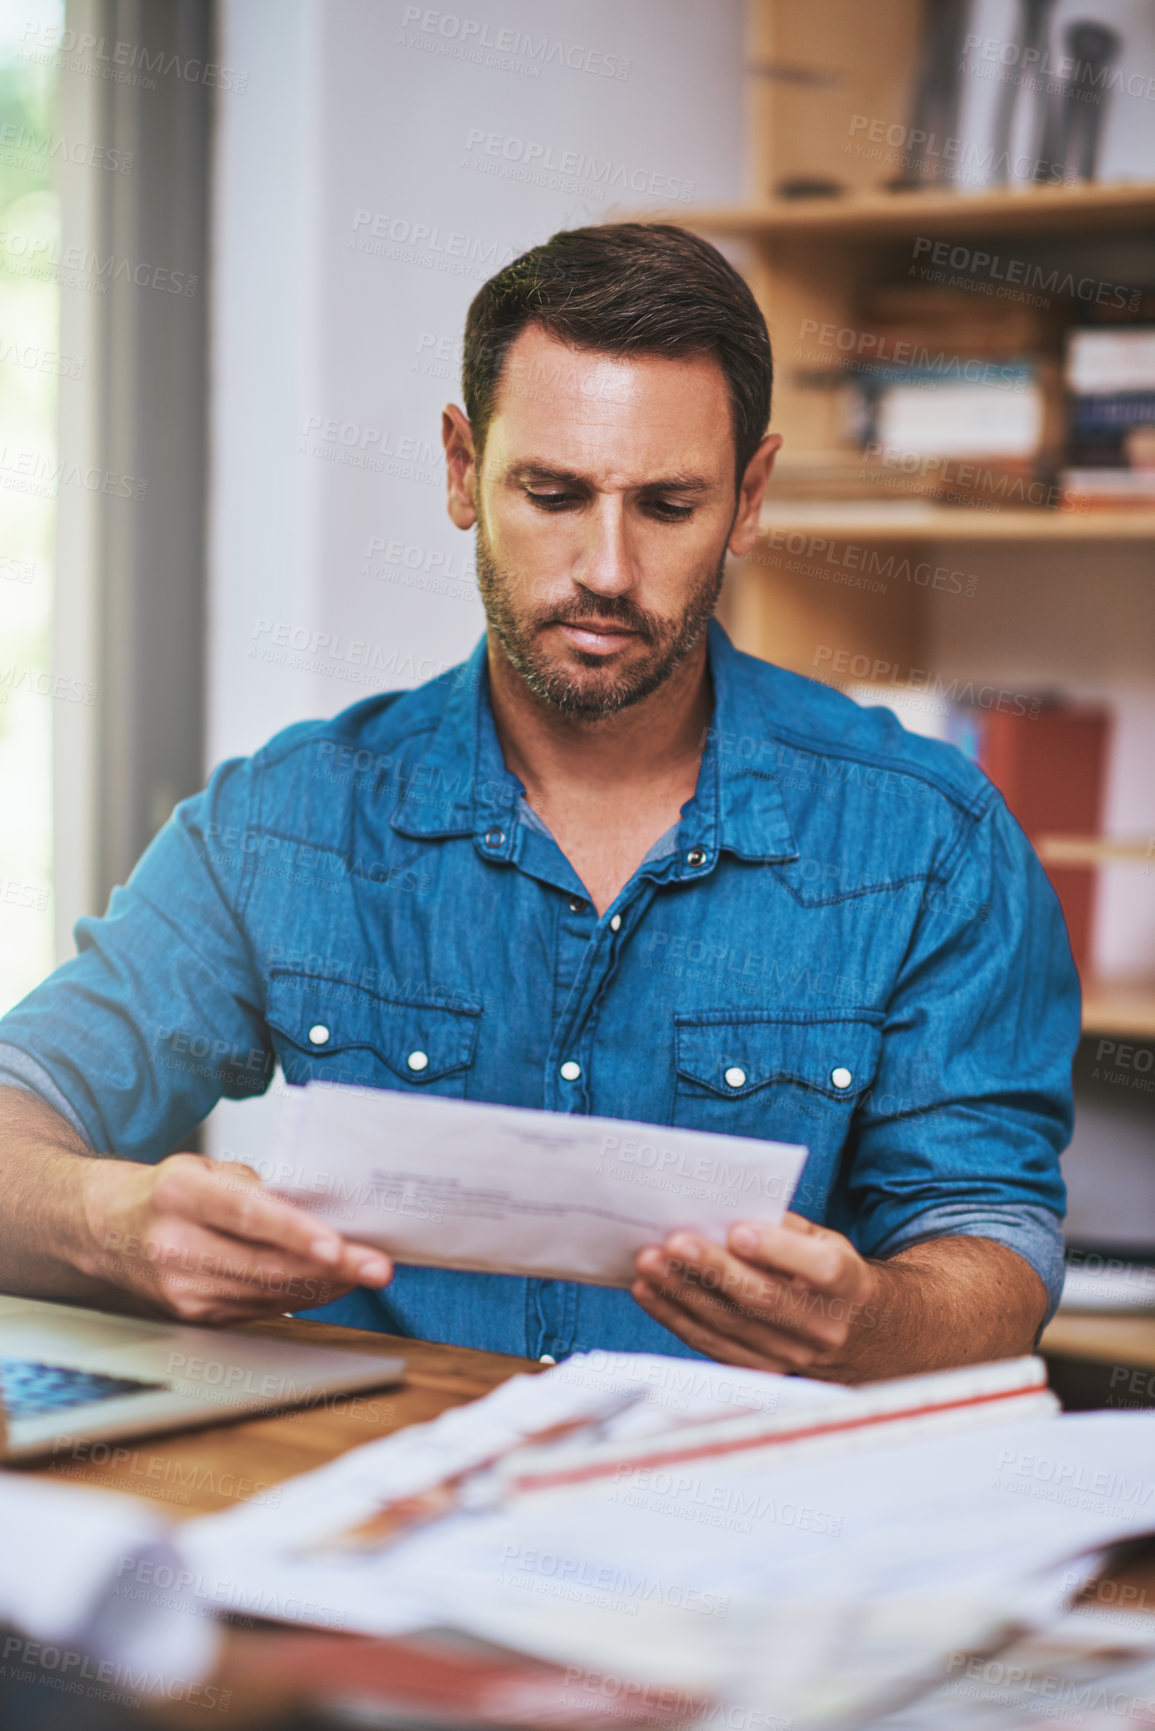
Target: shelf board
[
  {"x": 1119, "y": 1009},
  {"x": 1095, "y": 850},
  {"x": 918, "y": 520},
  {"x": 1017, "y": 211},
  {"x": 1101, "y": 1338}
]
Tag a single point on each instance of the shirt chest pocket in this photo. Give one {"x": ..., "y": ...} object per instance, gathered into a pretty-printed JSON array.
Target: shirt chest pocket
[
  {"x": 326, "y": 1031},
  {"x": 785, "y": 1079}
]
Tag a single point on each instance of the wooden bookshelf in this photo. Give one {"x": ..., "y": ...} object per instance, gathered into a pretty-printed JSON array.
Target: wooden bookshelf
[
  {"x": 814, "y": 72},
  {"x": 820, "y": 78}
]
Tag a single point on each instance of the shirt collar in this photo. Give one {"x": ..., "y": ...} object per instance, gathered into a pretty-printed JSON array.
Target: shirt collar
[
  {"x": 461, "y": 785},
  {"x": 735, "y": 808},
  {"x": 460, "y": 782}
]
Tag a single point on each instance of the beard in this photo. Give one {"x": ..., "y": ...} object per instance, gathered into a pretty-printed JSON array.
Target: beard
[{"x": 579, "y": 682}]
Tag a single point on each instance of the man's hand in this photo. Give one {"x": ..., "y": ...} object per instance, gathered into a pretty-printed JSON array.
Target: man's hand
[
  {"x": 198, "y": 1239},
  {"x": 783, "y": 1298},
  {"x": 798, "y": 1298},
  {"x": 192, "y": 1238}
]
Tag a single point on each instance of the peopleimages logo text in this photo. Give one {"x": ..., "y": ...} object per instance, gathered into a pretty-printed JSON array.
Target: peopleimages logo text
[
  {"x": 595, "y": 173},
  {"x": 477, "y": 33},
  {"x": 973, "y": 261}
]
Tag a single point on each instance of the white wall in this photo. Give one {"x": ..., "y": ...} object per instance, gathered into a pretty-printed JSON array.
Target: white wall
[
  {"x": 360, "y": 106},
  {"x": 369, "y": 106}
]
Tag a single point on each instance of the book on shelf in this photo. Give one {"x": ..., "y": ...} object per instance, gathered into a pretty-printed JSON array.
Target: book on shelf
[
  {"x": 940, "y": 396},
  {"x": 945, "y": 398},
  {"x": 882, "y": 475},
  {"x": 974, "y": 409},
  {"x": 1105, "y": 362},
  {"x": 956, "y": 322},
  {"x": 1115, "y": 431},
  {"x": 1110, "y": 377},
  {"x": 1111, "y": 489}
]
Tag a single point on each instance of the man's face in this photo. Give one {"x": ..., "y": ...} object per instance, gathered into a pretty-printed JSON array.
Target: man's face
[{"x": 605, "y": 501}]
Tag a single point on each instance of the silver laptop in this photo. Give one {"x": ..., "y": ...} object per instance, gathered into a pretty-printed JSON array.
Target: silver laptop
[{"x": 68, "y": 1375}]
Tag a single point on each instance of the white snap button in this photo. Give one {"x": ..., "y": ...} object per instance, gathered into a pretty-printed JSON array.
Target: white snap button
[
  {"x": 696, "y": 856},
  {"x": 547, "y": 1358},
  {"x": 616, "y": 923},
  {"x": 494, "y": 838},
  {"x": 735, "y": 1077},
  {"x": 570, "y": 1071},
  {"x": 841, "y": 1077},
  {"x": 417, "y": 1061},
  {"x": 319, "y": 1035}
]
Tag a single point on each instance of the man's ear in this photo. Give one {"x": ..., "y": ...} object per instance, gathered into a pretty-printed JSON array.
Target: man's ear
[
  {"x": 745, "y": 530},
  {"x": 460, "y": 466}
]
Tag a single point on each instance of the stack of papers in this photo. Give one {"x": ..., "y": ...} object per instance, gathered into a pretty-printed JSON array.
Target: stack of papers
[{"x": 816, "y": 1588}]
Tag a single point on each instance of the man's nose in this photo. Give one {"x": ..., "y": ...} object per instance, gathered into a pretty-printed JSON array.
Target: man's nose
[{"x": 606, "y": 566}]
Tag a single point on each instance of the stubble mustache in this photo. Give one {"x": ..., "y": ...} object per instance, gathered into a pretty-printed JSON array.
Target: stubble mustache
[{"x": 604, "y": 609}]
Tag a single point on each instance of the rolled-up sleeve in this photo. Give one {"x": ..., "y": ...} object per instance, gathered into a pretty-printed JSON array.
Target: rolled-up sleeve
[
  {"x": 971, "y": 1106},
  {"x": 160, "y": 1012}
]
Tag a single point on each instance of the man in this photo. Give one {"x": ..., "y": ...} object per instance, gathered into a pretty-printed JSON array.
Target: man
[{"x": 608, "y": 866}]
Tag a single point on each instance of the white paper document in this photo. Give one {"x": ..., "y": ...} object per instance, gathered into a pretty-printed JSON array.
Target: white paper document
[
  {"x": 454, "y": 1184},
  {"x": 79, "y": 1573}
]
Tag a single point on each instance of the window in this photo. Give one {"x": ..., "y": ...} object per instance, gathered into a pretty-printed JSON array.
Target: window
[{"x": 31, "y": 369}]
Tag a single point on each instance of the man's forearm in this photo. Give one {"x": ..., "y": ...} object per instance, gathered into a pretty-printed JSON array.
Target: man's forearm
[
  {"x": 946, "y": 1302},
  {"x": 190, "y": 1237},
  {"x": 45, "y": 1174}
]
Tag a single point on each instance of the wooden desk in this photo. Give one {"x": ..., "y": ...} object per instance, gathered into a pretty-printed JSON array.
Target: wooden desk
[
  {"x": 195, "y": 1472},
  {"x": 1093, "y": 1361}
]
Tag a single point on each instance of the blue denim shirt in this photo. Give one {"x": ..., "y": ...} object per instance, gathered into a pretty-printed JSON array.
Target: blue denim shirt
[{"x": 838, "y": 896}]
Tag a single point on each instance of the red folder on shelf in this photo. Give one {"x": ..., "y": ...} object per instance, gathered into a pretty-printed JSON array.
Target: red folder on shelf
[{"x": 1051, "y": 770}]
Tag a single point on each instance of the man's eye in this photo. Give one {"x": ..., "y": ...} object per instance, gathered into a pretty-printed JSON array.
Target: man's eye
[
  {"x": 668, "y": 511},
  {"x": 550, "y": 501}
]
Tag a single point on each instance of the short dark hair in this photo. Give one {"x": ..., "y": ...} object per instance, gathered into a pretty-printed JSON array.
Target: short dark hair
[{"x": 625, "y": 288}]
